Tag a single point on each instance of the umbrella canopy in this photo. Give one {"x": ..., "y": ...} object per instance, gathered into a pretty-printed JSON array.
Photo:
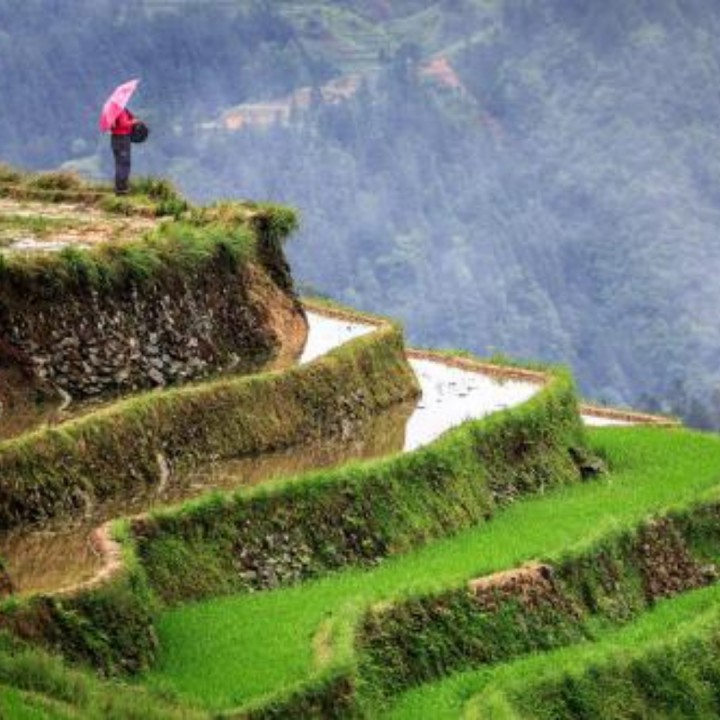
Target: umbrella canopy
[{"x": 116, "y": 103}]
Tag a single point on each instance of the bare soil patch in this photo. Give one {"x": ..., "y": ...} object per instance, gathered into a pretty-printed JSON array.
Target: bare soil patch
[{"x": 36, "y": 226}]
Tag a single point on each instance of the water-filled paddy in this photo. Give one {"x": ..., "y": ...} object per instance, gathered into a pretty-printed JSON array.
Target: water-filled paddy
[{"x": 66, "y": 552}]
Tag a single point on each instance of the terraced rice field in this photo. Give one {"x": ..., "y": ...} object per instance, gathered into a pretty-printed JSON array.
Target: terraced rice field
[
  {"x": 249, "y": 646},
  {"x": 500, "y": 591}
]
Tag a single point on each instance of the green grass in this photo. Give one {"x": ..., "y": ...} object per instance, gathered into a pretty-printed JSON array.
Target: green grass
[
  {"x": 249, "y": 646},
  {"x": 35, "y": 225},
  {"x": 35, "y": 684},
  {"x": 148, "y": 196},
  {"x": 20, "y": 706},
  {"x": 477, "y": 693},
  {"x": 355, "y": 515},
  {"x": 231, "y": 232},
  {"x": 172, "y": 248}
]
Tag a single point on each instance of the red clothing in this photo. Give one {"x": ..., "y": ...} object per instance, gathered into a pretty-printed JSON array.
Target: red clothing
[{"x": 124, "y": 123}]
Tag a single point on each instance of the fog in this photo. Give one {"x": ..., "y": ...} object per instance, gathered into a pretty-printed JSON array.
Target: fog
[{"x": 536, "y": 178}]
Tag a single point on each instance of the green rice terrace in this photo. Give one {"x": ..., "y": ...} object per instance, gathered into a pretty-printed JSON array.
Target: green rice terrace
[{"x": 218, "y": 500}]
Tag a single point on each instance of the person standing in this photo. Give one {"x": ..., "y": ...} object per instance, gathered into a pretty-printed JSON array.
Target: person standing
[{"x": 121, "y": 146}]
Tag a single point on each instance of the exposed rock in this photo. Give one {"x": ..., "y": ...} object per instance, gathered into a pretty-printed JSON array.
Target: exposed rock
[
  {"x": 6, "y": 585},
  {"x": 90, "y": 342},
  {"x": 156, "y": 376},
  {"x": 589, "y": 465},
  {"x": 666, "y": 564},
  {"x": 531, "y": 585}
]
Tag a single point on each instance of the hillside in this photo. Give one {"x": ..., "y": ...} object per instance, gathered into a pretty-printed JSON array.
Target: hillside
[
  {"x": 365, "y": 531},
  {"x": 519, "y": 177},
  {"x": 220, "y": 498}
]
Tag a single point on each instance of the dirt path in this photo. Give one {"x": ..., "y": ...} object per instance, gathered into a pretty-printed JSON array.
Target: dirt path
[{"x": 30, "y": 225}]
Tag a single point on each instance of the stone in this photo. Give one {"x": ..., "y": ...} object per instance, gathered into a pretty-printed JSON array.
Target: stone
[
  {"x": 157, "y": 377},
  {"x": 140, "y": 336},
  {"x": 6, "y": 585}
]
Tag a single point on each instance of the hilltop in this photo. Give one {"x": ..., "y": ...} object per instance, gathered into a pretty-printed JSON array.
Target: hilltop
[{"x": 103, "y": 295}]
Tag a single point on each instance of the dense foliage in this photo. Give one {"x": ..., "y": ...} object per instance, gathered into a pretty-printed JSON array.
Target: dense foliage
[{"x": 561, "y": 202}]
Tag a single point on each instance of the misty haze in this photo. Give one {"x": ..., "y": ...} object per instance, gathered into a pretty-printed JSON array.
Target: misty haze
[{"x": 533, "y": 178}]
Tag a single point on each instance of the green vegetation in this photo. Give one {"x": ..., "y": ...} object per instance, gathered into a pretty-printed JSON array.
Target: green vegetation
[
  {"x": 108, "y": 626},
  {"x": 246, "y": 653},
  {"x": 225, "y": 234},
  {"x": 663, "y": 662},
  {"x": 36, "y": 685},
  {"x": 356, "y": 515},
  {"x": 229, "y": 231},
  {"x": 622, "y": 574},
  {"x": 101, "y": 452},
  {"x": 170, "y": 251},
  {"x": 148, "y": 196},
  {"x": 674, "y": 674}
]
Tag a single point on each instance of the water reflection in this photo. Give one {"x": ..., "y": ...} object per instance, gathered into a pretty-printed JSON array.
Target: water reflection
[
  {"x": 326, "y": 333},
  {"x": 65, "y": 552},
  {"x": 452, "y": 395}
]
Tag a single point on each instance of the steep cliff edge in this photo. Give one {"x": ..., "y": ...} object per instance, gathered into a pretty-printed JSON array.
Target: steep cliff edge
[{"x": 100, "y": 296}]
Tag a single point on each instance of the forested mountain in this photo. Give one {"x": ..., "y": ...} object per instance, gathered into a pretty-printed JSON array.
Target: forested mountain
[{"x": 534, "y": 177}]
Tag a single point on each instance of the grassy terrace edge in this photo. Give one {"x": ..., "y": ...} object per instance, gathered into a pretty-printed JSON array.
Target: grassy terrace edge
[
  {"x": 110, "y": 625},
  {"x": 359, "y": 514},
  {"x": 665, "y": 661},
  {"x": 666, "y": 664},
  {"x": 604, "y": 581},
  {"x": 539, "y": 606},
  {"x": 149, "y": 197},
  {"x": 56, "y": 470},
  {"x": 186, "y": 238},
  {"x": 291, "y": 530},
  {"x": 111, "y": 449}
]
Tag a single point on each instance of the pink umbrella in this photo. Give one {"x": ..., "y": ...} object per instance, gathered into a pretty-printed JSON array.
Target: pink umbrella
[{"x": 116, "y": 103}]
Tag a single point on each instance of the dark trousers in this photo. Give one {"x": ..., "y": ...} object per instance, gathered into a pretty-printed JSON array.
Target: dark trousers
[{"x": 121, "y": 150}]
